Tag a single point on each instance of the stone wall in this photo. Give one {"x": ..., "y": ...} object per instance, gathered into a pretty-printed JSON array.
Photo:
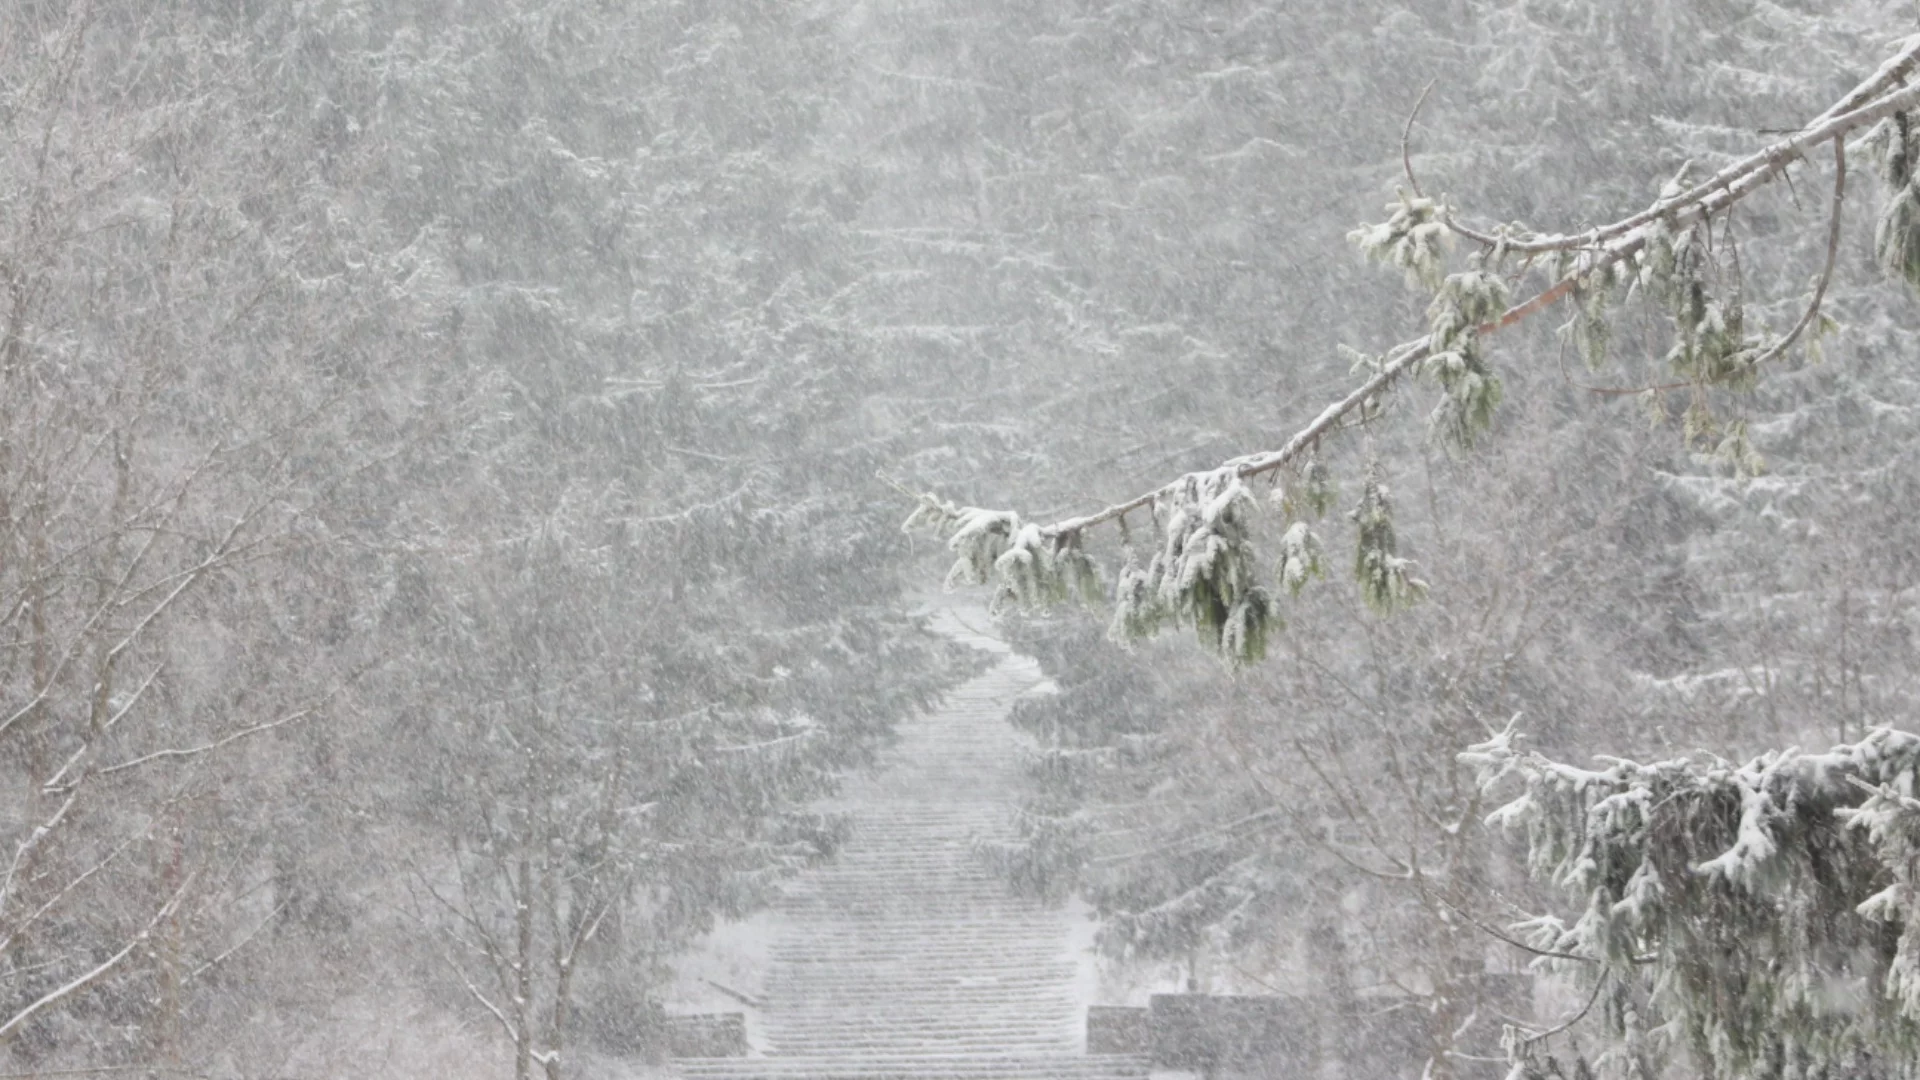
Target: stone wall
[
  {"x": 1243, "y": 1037},
  {"x": 707, "y": 1035},
  {"x": 1116, "y": 1029}
]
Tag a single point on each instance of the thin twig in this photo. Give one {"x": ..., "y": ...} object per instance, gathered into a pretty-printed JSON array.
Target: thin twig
[
  {"x": 1406, "y": 135},
  {"x": 241, "y": 944},
  {"x": 1842, "y": 117},
  {"x": 1598, "y": 983},
  {"x": 196, "y": 751},
  {"x": 1521, "y": 945},
  {"x": 21, "y": 927},
  {"x": 1833, "y": 252}
]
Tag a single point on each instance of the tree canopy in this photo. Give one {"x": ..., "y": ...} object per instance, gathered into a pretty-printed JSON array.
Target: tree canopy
[
  {"x": 442, "y": 554},
  {"x": 1753, "y": 918},
  {"x": 1663, "y": 256}
]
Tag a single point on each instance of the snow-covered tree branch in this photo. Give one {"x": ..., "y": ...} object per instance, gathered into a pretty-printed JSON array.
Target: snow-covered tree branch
[
  {"x": 1761, "y": 916},
  {"x": 1664, "y": 255}
]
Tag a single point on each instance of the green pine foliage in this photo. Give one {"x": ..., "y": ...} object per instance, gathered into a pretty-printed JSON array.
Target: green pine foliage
[
  {"x": 1413, "y": 240},
  {"x": 1464, "y": 303},
  {"x": 1590, "y": 331},
  {"x": 1204, "y": 572},
  {"x": 1758, "y": 917},
  {"x": 1896, "y": 236},
  {"x": 1710, "y": 345},
  {"x": 1028, "y": 570},
  {"x": 1318, "y": 492},
  {"x": 1386, "y": 580},
  {"x": 1138, "y": 613},
  {"x": 1299, "y": 558}
]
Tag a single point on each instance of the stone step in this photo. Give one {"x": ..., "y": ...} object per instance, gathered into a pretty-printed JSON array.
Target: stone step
[
  {"x": 1032, "y": 1022},
  {"x": 953, "y": 852},
  {"x": 927, "y": 960},
  {"x": 980, "y": 1016},
  {"x": 952, "y": 855},
  {"x": 905, "y": 945},
  {"x": 899, "y": 929},
  {"x": 868, "y": 1048},
  {"x": 907, "y": 975},
  {"x": 962, "y": 958},
  {"x": 929, "y": 904},
  {"x": 917, "y": 1067},
  {"x": 957, "y": 930},
  {"x": 994, "y": 1032},
  {"x": 862, "y": 864},
  {"x": 852, "y": 1039},
  {"x": 931, "y": 958},
  {"x": 958, "y": 866},
  {"x": 954, "y": 891},
  {"x": 906, "y": 911},
  {"x": 927, "y": 884},
  {"x": 886, "y": 878},
  {"x": 845, "y": 985},
  {"x": 847, "y": 904},
  {"x": 811, "y": 999},
  {"x": 906, "y": 956},
  {"x": 919, "y": 1010},
  {"x": 941, "y": 836},
  {"x": 989, "y": 1017},
  {"x": 866, "y": 867},
  {"x": 970, "y": 1012}
]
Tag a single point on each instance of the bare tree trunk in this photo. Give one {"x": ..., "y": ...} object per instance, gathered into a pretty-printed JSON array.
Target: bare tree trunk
[
  {"x": 557, "y": 1033},
  {"x": 523, "y": 970}
]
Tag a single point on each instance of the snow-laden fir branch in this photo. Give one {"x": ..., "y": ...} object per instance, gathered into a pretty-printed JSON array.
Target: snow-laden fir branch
[
  {"x": 1202, "y": 575},
  {"x": 1768, "y": 909},
  {"x": 1594, "y": 253}
]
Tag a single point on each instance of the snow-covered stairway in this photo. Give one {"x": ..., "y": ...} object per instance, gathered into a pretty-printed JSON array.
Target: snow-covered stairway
[{"x": 905, "y": 957}]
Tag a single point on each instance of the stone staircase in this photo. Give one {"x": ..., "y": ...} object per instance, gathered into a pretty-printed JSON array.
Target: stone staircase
[{"x": 905, "y": 957}]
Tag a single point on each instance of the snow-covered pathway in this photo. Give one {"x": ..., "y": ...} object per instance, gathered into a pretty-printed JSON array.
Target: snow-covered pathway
[{"x": 905, "y": 957}]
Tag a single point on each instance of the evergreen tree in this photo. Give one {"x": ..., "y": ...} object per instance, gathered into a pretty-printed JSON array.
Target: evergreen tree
[{"x": 1533, "y": 623}]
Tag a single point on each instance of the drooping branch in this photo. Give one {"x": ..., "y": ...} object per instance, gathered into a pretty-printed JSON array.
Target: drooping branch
[
  {"x": 1709, "y": 871},
  {"x": 1826, "y": 270},
  {"x": 1592, "y": 253}
]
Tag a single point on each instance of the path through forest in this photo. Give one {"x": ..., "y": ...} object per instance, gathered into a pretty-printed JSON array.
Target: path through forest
[{"x": 905, "y": 956}]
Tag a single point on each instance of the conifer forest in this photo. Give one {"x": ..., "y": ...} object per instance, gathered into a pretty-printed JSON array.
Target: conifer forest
[{"x": 1411, "y": 539}]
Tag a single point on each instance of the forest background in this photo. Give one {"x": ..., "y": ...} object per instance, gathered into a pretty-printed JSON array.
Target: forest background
[{"x": 442, "y": 539}]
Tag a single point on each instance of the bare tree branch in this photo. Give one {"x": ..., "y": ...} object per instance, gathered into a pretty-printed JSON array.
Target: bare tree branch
[
  {"x": 1826, "y": 271},
  {"x": 1406, "y": 136},
  {"x": 242, "y": 943},
  {"x": 87, "y": 978},
  {"x": 33, "y": 840},
  {"x": 78, "y": 880},
  {"x": 196, "y": 751}
]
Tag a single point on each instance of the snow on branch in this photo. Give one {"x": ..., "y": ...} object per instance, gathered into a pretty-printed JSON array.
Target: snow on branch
[
  {"x": 1595, "y": 252},
  {"x": 1028, "y": 568},
  {"x": 1768, "y": 908},
  {"x": 1663, "y": 253}
]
